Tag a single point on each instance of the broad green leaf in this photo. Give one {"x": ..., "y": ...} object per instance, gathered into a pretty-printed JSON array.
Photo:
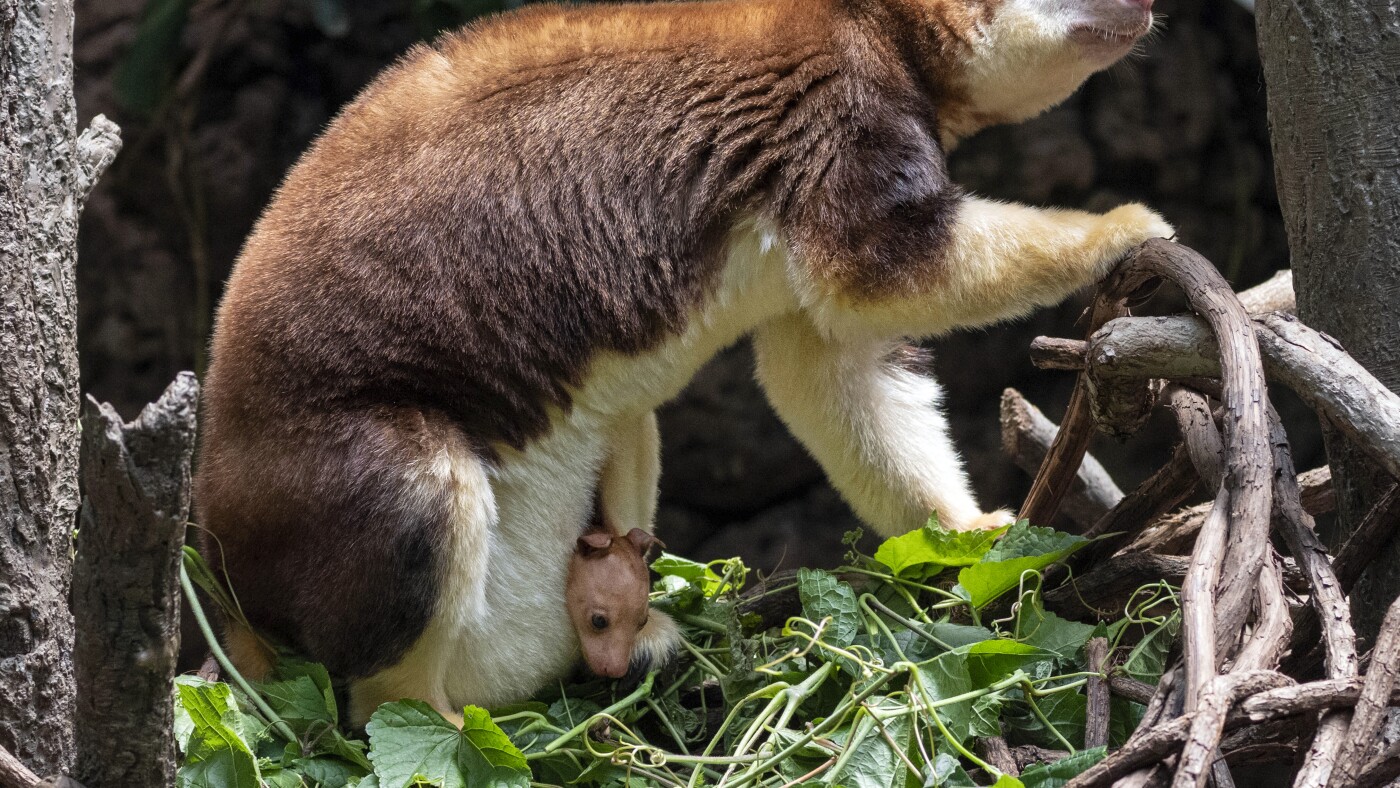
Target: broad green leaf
[
  {"x": 369, "y": 781},
  {"x": 569, "y": 712},
  {"x": 692, "y": 572},
  {"x": 281, "y": 778},
  {"x": 959, "y": 635},
  {"x": 1066, "y": 711},
  {"x": 1124, "y": 716},
  {"x": 991, "y": 661},
  {"x": 1041, "y": 628},
  {"x": 327, "y": 771},
  {"x": 1148, "y": 659},
  {"x": 292, "y": 668},
  {"x": 1001, "y": 570},
  {"x": 949, "y": 773},
  {"x": 932, "y": 548},
  {"x": 684, "y": 568},
  {"x": 986, "y": 715},
  {"x": 1057, "y": 774},
  {"x": 224, "y": 768},
  {"x": 299, "y": 702},
  {"x": 409, "y": 741},
  {"x": 872, "y": 763},
  {"x": 1023, "y": 540},
  {"x": 215, "y": 755},
  {"x": 824, "y": 596},
  {"x": 947, "y": 677}
]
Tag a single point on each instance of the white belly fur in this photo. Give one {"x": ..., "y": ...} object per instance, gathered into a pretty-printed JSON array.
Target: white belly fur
[{"x": 501, "y": 631}]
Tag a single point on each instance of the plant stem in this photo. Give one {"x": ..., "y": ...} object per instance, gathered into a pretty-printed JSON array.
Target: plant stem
[{"x": 283, "y": 729}]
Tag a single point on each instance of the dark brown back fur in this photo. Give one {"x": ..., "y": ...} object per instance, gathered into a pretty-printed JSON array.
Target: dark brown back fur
[{"x": 492, "y": 213}]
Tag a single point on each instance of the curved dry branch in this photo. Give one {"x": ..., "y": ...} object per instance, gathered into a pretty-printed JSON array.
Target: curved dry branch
[
  {"x": 1308, "y": 362},
  {"x": 1026, "y": 435}
]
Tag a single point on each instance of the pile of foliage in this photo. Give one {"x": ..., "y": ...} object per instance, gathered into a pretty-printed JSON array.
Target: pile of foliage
[{"x": 896, "y": 664}]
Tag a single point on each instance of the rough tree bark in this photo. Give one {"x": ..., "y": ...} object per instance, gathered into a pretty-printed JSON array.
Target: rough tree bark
[
  {"x": 46, "y": 173},
  {"x": 126, "y": 587},
  {"x": 1333, "y": 76}
]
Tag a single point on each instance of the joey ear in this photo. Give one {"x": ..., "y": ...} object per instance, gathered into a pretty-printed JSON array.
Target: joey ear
[
  {"x": 594, "y": 542},
  {"x": 643, "y": 541}
]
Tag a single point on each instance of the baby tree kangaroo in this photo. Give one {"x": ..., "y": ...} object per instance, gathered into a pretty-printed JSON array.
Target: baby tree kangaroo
[
  {"x": 606, "y": 593},
  {"x": 454, "y": 321}
]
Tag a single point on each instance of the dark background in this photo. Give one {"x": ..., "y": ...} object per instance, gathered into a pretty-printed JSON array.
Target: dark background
[{"x": 218, "y": 104}]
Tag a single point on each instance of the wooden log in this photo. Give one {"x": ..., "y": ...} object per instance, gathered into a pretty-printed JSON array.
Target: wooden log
[{"x": 126, "y": 586}]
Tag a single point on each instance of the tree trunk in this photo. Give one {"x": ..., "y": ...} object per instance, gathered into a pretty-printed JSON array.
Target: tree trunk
[
  {"x": 46, "y": 172},
  {"x": 126, "y": 587},
  {"x": 1333, "y": 75}
]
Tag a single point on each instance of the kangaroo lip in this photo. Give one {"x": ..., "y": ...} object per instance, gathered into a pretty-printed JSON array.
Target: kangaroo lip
[{"x": 1097, "y": 35}]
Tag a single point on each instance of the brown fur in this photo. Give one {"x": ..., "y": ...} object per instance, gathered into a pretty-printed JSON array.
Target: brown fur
[{"x": 497, "y": 210}]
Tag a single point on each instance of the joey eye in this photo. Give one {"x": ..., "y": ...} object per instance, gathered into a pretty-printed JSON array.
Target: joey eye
[{"x": 599, "y": 622}]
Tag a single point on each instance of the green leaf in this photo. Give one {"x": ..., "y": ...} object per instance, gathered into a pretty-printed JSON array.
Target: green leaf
[
  {"x": 949, "y": 773},
  {"x": 1041, "y": 628},
  {"x": 986, "y": 715},
  {"x": 1148, "y": 658},
  {"x": 1023, "y": 549},
  {"x": 1066, "y": 711},
  {"x": 225, "y": 768},
  {"x": 327, "y": 771},
  {"x": 410, "y": 741},
  {"x": 872, "y": 763},
  {"x": 299, "y": 703},
  {"x": 1057, "y": 774},
  {"x": 991, "y": 661},
  {"x": 569, "y": 712},
  {"x": 692, "y": 572},
  {"x": 947, "y": 677},
  {"x": 216, "y": 756},
  {"x": 824, "y": 596},
  {"x": 932, "y": 548},
  {"x": 1124, "y": 716},
  {"x": 1023, "y": 540}
]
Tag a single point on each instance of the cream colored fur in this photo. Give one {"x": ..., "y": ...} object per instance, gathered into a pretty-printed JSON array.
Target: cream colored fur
[{"x": 875, "y": 428}]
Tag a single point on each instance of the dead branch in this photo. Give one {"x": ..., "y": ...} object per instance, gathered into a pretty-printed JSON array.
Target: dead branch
[
  {"x": 14, "y": 774},
  {"x": 1326, "y": 598},
  {"x": 1096, "y": 718},
  {"x": 1253, "y": 708},
  {"x": 1370, "y": 710},
  {"x": 1172, "y": 533},
  {"x": 1309, "y": 363},
  {"x": 1366, "y": 542},
  {"x": 1026, "y": 435},
  {"x": 126, "y": 586},
  {"x": 1157, "y": 495},
  {"x": 995, "y": 751}
]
